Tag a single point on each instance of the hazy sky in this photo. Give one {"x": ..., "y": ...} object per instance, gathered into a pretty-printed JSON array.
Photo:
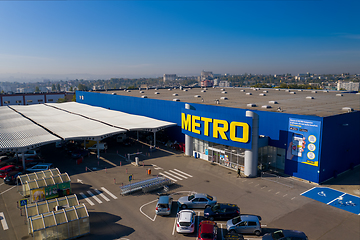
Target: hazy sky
[{"x": 149, "y": 38}]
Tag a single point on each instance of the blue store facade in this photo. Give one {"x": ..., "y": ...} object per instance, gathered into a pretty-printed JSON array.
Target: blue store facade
[{"x": 308, "y": 147}]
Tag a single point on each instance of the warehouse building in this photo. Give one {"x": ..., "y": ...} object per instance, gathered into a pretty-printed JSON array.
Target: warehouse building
[{"x": 312, "y": 135}]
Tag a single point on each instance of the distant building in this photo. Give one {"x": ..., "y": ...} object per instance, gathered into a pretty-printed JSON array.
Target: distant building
[
  {"x": 206, "y": 83},
  {"x": 349, "y": 86},
  {"x": 216, "y": 82},
  {"x": 206, "y": 75},
  {"x": 169, "y": 77},
  {"x": 33, "y": 98},
  {"x": 224, "y": 84}
]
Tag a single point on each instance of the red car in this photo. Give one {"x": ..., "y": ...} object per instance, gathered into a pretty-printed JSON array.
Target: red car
[
  {"x": 207, "y": 230},
  {"x": 4, "y": 171}
]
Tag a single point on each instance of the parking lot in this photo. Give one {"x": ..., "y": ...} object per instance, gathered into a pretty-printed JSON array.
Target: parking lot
[{"x": 113, "y": 216}]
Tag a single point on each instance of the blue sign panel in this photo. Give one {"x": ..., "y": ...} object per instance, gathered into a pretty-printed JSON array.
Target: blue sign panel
[
  {"x": 334, "y": 198},
  {"x": 209, "y": 126},
  {"x": 303, "y": 141}
]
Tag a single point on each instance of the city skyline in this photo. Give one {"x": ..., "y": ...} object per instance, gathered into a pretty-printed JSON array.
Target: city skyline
[{"x": 132, "y": 39}]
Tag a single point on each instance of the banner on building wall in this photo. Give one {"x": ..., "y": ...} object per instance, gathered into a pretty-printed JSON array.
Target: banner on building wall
[{"x": 303, "y": 141}]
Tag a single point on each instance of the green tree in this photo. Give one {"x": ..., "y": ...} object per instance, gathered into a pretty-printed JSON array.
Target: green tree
[
  {"x": 74, "y": 98},
  {"x": 53, "y": 88},
  {"x": 61, "y": 100},
  {"x": 58, "y": 87},
  {"x": 71, "y": 89},
  {"x": 37, "y": 89},
  {"x": 82, "y": 87}
]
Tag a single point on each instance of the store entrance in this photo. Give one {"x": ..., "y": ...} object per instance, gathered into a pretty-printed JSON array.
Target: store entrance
[{"x": 227, "y": 156}]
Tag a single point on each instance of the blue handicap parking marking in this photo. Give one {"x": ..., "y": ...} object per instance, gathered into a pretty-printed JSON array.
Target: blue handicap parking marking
[
  {"x": 348, "y": 203},
  {"x": 334, "y": 198}
]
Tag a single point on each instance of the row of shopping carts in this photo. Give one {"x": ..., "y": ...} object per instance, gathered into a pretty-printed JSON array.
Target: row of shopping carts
[{"x": 145, "y": 186}]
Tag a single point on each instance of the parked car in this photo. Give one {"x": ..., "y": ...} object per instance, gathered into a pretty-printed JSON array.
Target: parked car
[
  {"x": 245, "y": 224},
  {"x": 4, "y": 171},
  {"x": 185, "y": 221},
  {"x": 207, "y": 230},
  {"x": 234, "y": 236},
  {"x": 79, "y": 153},
  {"x": 197, "y": 200},
  {"x": 29, "y": 153},
  {"x": 222, "y": 211},
  {"x": 11, "y": 178},
  {"x": 40, "y": 167},
  {"x": 163, "y": 206},
  {"x": 3, "y": 158},
  {"x": 285, "y": 235}
]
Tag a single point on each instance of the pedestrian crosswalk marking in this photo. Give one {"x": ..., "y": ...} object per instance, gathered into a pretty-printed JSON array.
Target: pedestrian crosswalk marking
[
  {"x": 172, "y": 175},
  {"x": 86, "y": 199},
  {"x": 183, "y": 172},
  {"x": 94, "y": 197},
  {"x": 177, "y": 174},
  {"x": 172, "y": 179},
  {"x": 109, "y": 193},
  {"x": 102, "y": 195}
]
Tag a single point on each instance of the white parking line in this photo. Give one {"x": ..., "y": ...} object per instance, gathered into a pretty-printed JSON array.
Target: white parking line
[
  {"x": 183, "y": 173},
  {"x": 173, "y": 175},
  {"x": 174, "y": 227},
  {"x": 172, "y": 179},
  {"x": 102, "y": 195},
  {"x": 95, "y": 197},
  {"x": 156, "y": 167},
  {"x": 3, "y": 221},
  {"x": 177, "y": 174},
  {"x": 86, "y": 199},
  {"x": 1, "y": 184},
  {"x": 152, "y": 219},
  {"x": 109, "y": 193},
  {"x": 7, "y": 190}
]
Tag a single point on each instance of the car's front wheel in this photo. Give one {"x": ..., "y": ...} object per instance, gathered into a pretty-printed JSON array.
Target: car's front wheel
[
  {"x": 257, "y": 232},
  {"x": 183, "y": 206}
]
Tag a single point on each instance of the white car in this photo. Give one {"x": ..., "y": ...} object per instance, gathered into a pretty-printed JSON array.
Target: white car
[
  {"x": 185, "y": 221},
  {"x": 40, "y": 167}
]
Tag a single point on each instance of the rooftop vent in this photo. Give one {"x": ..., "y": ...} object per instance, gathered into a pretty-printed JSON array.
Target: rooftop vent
[
  {"x": 197, "y": 96},
  {"x": 176, "y": 100},
  {"x": 313, "y": 91},
  {"x": 248, "y": 93},
  {"x": 203, "y": 90},
  {"x": 287, "y": 90},
  {"x": 265, "y": 91},
  {"x": 358, "y": 93},
  {"x": 113, "y": 93},
  {"x": 242, "y": 90},
  {"x": 224, "y": 98},
  {"x": 325, "y": 91},
  {"x": 277, "y": 89},
  {"x": 175, "y": 94},
  {"x": 169, "y": 89},
  {"x": 185, "y": 90},
  {"x": 273, "y": 102},
  {"x": 251, "y": 105},
  {"x": 224, "y": 92},
  {"x": 262, "y": 94},
  {"x": 222, "y": 89},
  {"x": 144, "y": 96},
  {"x": 266, "y": 106},
  {"x": 347, "y": 109},
  {"x": 292, "y": 92},
  {"x": 339, "y": 95},
  {"x": 300, "y": 90},
  {"x": 141, "y": 91},
  {"x": 157, "y": 93},
  {"x": 309, "y": 97},
  {"x": 128, "y": 91}
]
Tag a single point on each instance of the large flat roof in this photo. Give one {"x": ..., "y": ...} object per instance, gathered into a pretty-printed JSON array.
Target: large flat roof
[{"x": 304, "y": 102}]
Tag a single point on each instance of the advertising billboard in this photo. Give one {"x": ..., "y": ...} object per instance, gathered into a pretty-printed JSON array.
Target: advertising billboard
[
  {"x": 303, "y": 141},
  {"x": 225, "y": 129}
]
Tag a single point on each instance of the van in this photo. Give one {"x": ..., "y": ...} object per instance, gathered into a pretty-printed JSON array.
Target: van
[
  {"x": 102, "y": 147},
  {"x": 163, "y": 205}
]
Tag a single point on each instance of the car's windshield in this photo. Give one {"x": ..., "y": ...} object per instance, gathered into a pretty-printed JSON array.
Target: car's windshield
[
  {"x": 236, "y": 220},
  {"x": 185, "y": 224},
  {"x": 191, "y": 197},
  {"x": 163, "y": 206},
  {"x": 277, "y": 235},
  {"x": 207, "y": 235},
  {"x": 215, "y": 208},
  {"x": 209, "y": 197}
]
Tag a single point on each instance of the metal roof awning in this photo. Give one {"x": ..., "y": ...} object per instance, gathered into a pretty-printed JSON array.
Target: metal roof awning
[
  {"x": 114, "y": 118},
  {"x": 26, "y": 127}
]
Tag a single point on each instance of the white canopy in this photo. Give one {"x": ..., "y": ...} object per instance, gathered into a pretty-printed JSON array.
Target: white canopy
[{"x": 34, "y": 125}]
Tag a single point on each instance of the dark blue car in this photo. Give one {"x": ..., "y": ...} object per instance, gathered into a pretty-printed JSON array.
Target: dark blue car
[{"x": 222, "y": 211}]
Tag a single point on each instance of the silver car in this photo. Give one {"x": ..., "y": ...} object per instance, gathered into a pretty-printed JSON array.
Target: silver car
[
  {"x": 163, "y": 206},
  {"x": 197, "y": 200},
  {"x": 245, "y": 224}
]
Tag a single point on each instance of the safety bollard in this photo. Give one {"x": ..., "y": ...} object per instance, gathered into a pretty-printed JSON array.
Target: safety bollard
[
  {"x": 105, "y": 170},
  {"x": 98, "y": 163},
  {"x": 114, "y": 181},
  {"x": 120, "y": 163},
  {"x": 143, "y": 164},
  {"x": 85, "y": 168},
  {"x": 126, "y": 171}
]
